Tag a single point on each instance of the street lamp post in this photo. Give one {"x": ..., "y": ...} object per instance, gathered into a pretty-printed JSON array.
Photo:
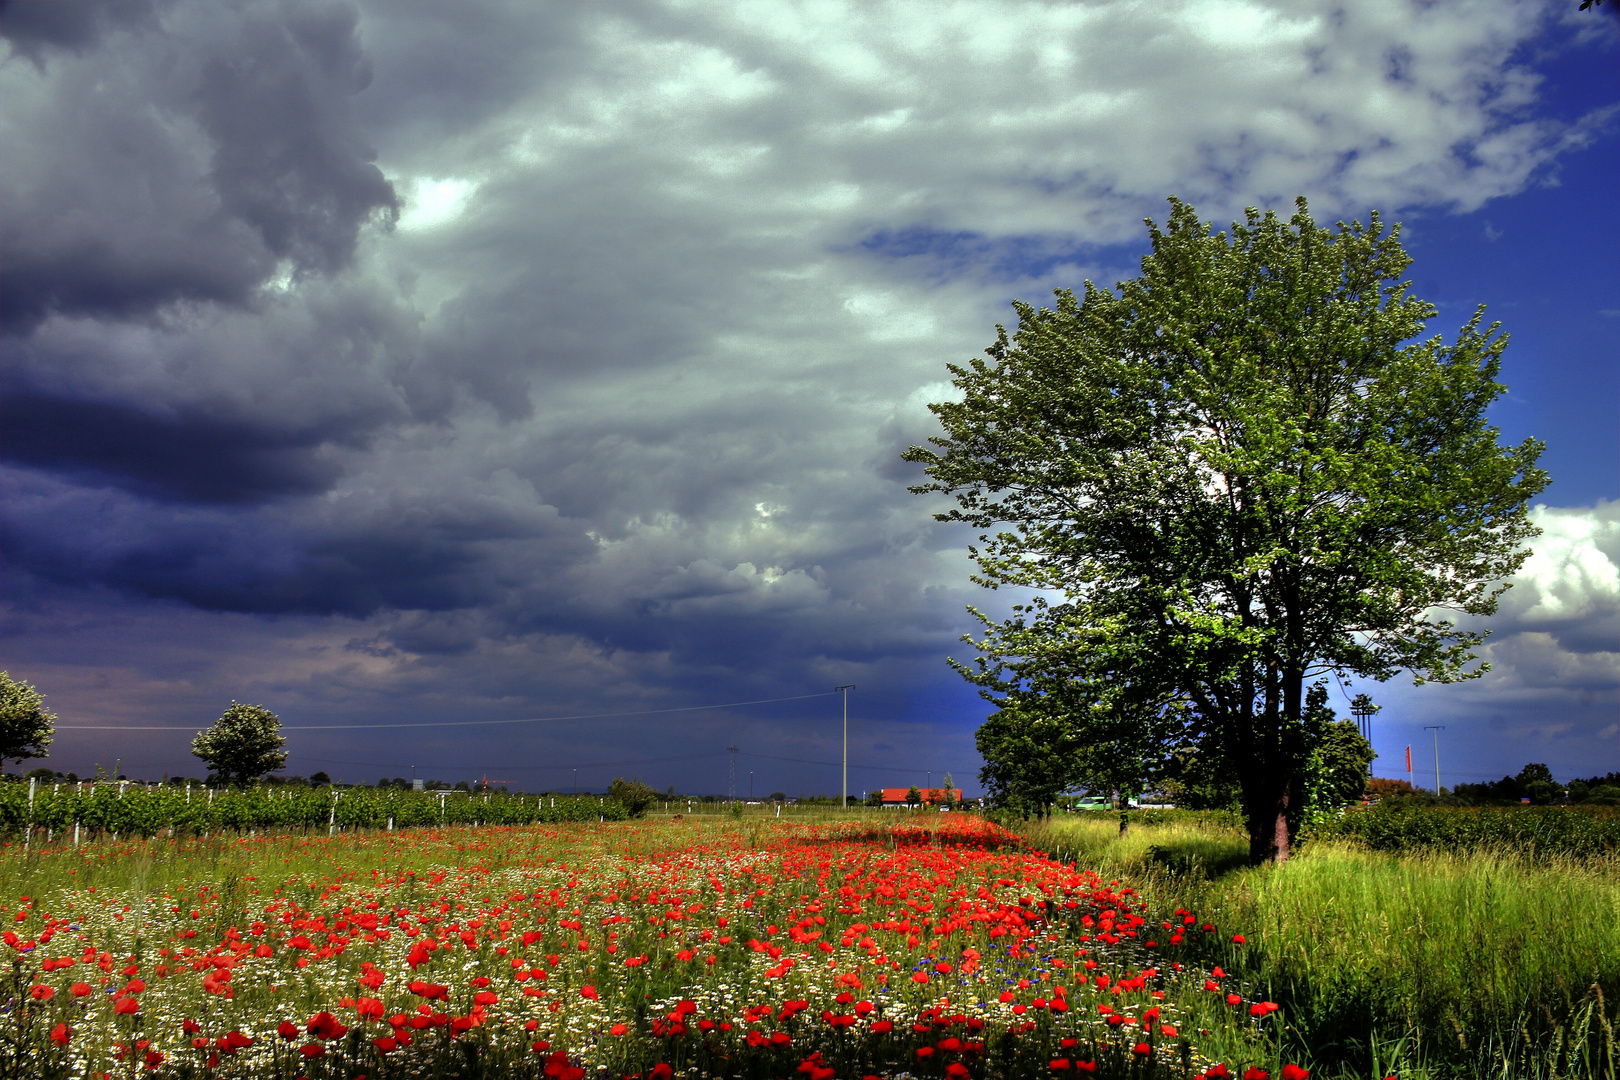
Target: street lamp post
[{"x": 843, "y": 800}]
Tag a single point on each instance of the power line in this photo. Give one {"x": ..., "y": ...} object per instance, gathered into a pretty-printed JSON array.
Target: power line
[
  {"x": 462, "y": 723},
  {"x": 807, "y": 761},
  {"x": 515, "y": 768}
]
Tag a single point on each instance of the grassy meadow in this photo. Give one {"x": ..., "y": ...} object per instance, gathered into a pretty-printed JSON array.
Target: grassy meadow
[{"x": 1492, "y": 962}]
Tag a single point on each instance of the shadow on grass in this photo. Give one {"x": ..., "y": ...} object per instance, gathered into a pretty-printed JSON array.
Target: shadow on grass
[{"x": 1196, "y": 859}]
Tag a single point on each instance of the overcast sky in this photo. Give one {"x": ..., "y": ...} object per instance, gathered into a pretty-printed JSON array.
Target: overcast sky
[{"x": 426, "y": 363}]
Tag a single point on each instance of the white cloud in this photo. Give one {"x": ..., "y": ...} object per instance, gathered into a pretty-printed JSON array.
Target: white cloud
[
  {"x": 435, "y": 202},
  {"x": 1573, "y": 569}
]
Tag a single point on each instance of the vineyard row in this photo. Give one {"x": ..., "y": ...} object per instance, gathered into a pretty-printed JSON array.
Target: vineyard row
[{"x": 65, "y": 810}]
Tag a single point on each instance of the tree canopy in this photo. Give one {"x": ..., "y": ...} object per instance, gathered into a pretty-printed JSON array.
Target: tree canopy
[
  {"x": 1224, "y": 478},
  {"x": 26, "y": 725},
  {"x": 243, "y": 745}
]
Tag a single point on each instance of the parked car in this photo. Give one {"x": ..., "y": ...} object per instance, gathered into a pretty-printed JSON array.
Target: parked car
[{"x": 1092, "y": 802}]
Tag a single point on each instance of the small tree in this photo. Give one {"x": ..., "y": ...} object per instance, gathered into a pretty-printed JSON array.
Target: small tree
[
  {"x": 1029, "y": 759},
  {"x": 26, "y": 725},
  {"x": 636, "y": 796},
  {"x": 913, "y": 796},
  {"x": 243, "y": 745}
]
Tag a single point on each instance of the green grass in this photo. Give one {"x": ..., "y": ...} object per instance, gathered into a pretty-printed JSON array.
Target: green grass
[{"x": 1479, "y": 963}]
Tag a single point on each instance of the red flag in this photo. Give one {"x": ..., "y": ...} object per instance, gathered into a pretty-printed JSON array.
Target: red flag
[{"x": 1408, "y": 759}]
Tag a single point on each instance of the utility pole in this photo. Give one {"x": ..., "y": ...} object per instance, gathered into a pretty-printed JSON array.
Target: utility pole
[
  {"x": 843, "y": 799},
  {"x": 731, "y": 782},
  {"x": 750, "y": 785},
  {"x": 1437, "y": 729},
  {"x": 576, "y": 780}
]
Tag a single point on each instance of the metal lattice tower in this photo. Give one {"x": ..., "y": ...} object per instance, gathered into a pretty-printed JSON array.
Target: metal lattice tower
[
  {"x": 731, "y": 783},
  {"x": 1363, "y": 709}
]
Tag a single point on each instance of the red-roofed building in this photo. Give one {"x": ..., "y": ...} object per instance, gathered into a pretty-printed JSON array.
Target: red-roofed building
[{"x": 931, "y": 796}]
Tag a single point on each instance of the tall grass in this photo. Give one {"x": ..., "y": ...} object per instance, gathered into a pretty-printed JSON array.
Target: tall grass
[{"x": 1477, "y": 963}]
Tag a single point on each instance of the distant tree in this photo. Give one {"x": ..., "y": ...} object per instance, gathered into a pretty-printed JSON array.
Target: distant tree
[
  {"x": 636, "y": 797},
  {"x": 874, "y": 797},
  {"x": 26, "y": 725},
  {"x": 1538, "y": 785},
  {"x": 1030, "y": 757},
  {"x": 243, "y": 745},
  {"x": 779, "y": 796},
  {"x": 1338, "y": 768},
  {"x": 462, "y": 785},
  {"x": 913, "y": 796},
  {"x": 1380, "y": 787},
  {"x": 319, "y": 779}
]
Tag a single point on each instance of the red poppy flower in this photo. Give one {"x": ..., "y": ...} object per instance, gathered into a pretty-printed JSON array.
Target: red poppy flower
[
  {"x": 41, "y": 992},
  {"x": 1294, "y": 1072},
  {"x": 79, "y": 989}
]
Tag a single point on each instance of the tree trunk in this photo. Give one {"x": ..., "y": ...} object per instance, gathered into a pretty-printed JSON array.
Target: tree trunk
[{"x": 1268, "y": 795}]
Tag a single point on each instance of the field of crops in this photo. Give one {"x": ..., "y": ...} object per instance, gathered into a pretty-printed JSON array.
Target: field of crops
[
  {"x": 654, "y": 949},
  {"x": 110, "y": 808}
]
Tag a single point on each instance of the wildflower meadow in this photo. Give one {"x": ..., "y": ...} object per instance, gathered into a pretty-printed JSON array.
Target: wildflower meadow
[{"x": 654, "y": 948}]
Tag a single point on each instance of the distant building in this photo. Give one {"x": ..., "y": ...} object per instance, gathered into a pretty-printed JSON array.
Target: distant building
[{"x": 931, "y": 796}]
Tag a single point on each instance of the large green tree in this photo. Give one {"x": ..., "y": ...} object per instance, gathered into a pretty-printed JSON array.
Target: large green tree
[
  {"x": 243, "y": 745},
  {"x": 26, "y": 725},
  {"x": 1226, "y": 476}
]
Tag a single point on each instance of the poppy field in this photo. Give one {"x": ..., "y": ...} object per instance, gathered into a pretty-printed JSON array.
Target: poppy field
[{"x": 643, "y": 949}]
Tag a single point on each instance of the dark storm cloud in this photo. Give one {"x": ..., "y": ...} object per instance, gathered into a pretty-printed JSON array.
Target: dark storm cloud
[
  {"x": 584, "y": 390},
  {"x": 34, "y": 28},
  {"x": 351, "y": 555},
  {"x": 192, "y": 160},
  {"x": 186, "y": 455},
  {"x": 288, "y": 157}
]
